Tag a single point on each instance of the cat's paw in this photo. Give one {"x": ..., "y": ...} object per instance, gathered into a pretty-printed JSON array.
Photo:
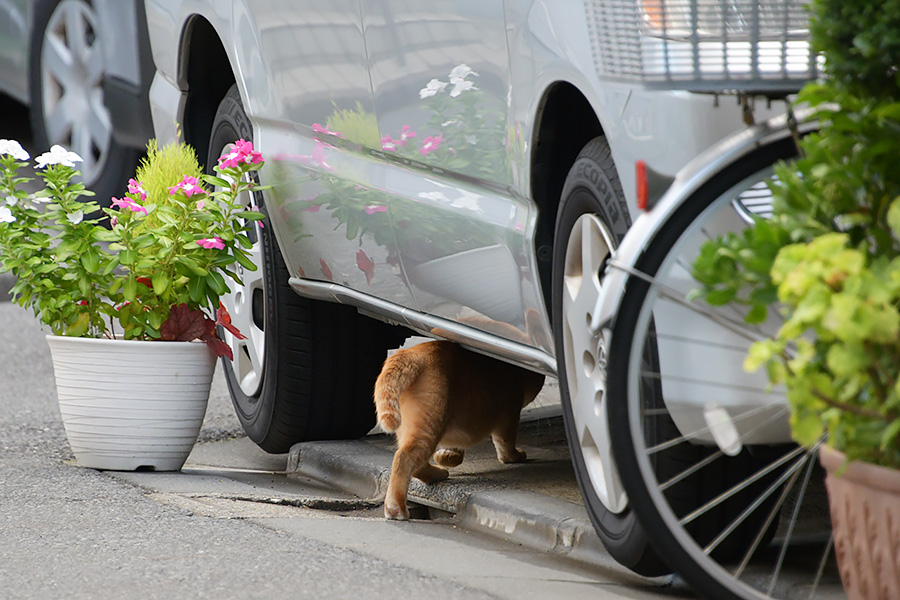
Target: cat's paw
[
  {"x": 396, "y": 512},
  {"x": 449, "y": 457},
  {"x": 513, "y": 456}
]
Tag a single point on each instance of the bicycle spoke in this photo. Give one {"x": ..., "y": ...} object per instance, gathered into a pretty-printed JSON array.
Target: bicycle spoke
[
  {"x": 745, "y": 415},
  {"x": 821, "y": 569},
  {"x": 741, "y": 486},
  {"x": 735, "y": 326},
  {"x": 773, "y": 514},
  {"x": 788, "y": 474},
  {"x": 793, "y": 522}
]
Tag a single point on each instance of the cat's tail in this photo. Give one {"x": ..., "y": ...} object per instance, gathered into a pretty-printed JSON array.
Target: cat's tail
[{"x": 399, "y": 371}]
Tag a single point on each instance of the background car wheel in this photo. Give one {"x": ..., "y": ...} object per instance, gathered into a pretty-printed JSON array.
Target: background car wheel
[
  {"x": 307, "y": 368},
  {"x": 66, "y": 89},
  {"x": 592, "y": 220}
]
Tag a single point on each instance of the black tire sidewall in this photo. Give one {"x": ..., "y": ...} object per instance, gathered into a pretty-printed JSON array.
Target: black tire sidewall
[
  {"x": 593, "y": 187},
  {"x": 120, "y": 160},
  {"x": 254, "y": 412}
]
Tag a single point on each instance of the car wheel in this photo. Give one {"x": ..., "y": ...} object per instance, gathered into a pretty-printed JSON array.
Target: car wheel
[
  {"x": 307, "y": 368},
  {"x": 66, "y": 90},
  {"x": 591, "y": 221}
]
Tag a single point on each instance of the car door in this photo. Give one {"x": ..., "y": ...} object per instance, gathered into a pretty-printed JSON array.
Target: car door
[
  {"x": 440, "y": 77},
  {"x": 304, "y": 66}
]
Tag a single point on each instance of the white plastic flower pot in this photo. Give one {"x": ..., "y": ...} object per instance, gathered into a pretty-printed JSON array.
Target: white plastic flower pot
[{"x": 128, "y": 405}]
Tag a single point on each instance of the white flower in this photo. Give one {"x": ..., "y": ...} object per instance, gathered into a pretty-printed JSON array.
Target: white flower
[
  {"x": 458, "y": 80},
  {"x": 6, "y": 215},
  {"x": 76, "y": 217},
  {"x": 460, "y": 72},
  {"x": 463, "y": 85},
  {"x": 57, "y": 156},
  {"x": 434, "y": 86},
  {"x": 11, "y": 200},
  {"x": 14, "y": 149}
]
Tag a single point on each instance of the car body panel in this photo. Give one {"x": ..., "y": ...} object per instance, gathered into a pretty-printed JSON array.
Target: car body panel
[
  {"x": 398, "y": 231},
  {"x": 15, "y": 16}
]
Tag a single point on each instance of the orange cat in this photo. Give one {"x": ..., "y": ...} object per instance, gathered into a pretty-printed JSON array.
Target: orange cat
[{"x": 441, "y": 399}]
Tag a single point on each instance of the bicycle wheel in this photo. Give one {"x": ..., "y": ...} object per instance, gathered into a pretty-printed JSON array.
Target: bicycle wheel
[{"x": 745, "y": 513}]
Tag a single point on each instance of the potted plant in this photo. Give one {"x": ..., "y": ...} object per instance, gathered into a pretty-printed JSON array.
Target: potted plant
[
  {"x": 123, "y": 289},
  {"x": 829, "y": 258}
]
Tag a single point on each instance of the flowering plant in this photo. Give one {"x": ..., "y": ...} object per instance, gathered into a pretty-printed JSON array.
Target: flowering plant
[{"x": 154, "y": 262}]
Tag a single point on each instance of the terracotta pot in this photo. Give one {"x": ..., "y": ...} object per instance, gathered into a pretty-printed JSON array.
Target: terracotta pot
[
  {"x": 128, "y": 405},
  {"x": 865, "y": 517}
]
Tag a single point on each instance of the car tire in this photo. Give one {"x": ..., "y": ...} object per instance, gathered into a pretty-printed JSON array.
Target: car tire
[
  {"x": 69, "y": 109},
  {"x": 316, "y": 361},
  {"x": 592, "y": 204}
]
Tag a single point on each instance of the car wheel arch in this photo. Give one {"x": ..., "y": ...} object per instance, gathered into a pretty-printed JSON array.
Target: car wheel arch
[
  {"x": 564, "y": 125},
  {"x": 205, "y": 73}
]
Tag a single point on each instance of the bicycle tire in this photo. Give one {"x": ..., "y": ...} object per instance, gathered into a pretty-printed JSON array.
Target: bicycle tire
[{"x": 690, "y": 523}]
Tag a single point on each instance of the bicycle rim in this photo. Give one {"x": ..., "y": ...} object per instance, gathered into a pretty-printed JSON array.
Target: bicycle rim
[{"x": 746, "y": 515}]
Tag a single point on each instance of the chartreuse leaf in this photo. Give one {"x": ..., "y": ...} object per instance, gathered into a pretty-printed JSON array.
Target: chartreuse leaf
[
  {"x": 893, "y": 217},
  {"x": 80, "y": 326},
  {"x": 161, "y": 282}
]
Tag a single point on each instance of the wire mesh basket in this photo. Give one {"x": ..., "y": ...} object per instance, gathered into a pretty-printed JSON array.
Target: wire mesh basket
[{"x": 704, "y": 45}]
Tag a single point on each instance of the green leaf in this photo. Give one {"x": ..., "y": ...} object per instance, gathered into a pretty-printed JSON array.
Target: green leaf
[
  {"x": 890, "y": 434},
  {"x": 130, "y": 289},
  {"x": 244, "y": 261},
  {"x": 161, "y": 282},
  {"x": 90, "y": 259}
]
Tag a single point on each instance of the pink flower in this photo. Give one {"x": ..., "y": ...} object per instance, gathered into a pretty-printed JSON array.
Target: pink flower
[
  {"x": 189, "y": 185},
  {"x": 241, "y": 152},
  {"x": 405, "y": 134},
  {"x": 375, "y": 208},
  {"x": 319, "y": 129},
  {"x": 136, "y": 187},
  {"x": 431, "y": 144},
  {"x": 212, "y": 243},
  {"x": 388, "y": 143},
  {"x": 200, "y": 205},
  {"x": 128, "y": 203}
]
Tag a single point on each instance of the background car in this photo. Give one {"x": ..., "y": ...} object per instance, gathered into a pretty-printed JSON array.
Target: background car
[
  {"x": 83, "y": 68},
  {"x": 455, "y": 168}
]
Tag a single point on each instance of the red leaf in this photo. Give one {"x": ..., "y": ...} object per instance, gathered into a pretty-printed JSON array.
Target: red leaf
[
  {"x": 325, "y": 270},
  {"x": 366, "y": 265},
  {"x": 218, "y": 346},
  {"x": 185, "y": 324},
  {"x": 145, "y": 280},
  {"x": 224, "y": 319}
]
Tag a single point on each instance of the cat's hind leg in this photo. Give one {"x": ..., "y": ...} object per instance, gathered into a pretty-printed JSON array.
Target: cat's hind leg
[
  {"x": 449, "y": 457},
  {"x": 504, "y": 438},
  {"x": 428, "y": 473}
]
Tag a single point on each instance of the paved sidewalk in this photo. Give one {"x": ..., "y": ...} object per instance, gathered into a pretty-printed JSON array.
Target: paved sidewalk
[{"x": 536, "y": 504}]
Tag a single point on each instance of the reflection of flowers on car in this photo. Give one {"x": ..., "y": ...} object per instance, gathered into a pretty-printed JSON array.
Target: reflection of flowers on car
[{"x": 460, "y": 118}]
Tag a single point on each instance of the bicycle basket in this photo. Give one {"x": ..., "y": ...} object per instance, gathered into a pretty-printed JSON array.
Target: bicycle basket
[{"x": 703, "y": 45}]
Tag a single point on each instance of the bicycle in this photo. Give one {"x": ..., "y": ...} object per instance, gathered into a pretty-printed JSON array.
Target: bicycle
[{"x": 702, "y": 449}]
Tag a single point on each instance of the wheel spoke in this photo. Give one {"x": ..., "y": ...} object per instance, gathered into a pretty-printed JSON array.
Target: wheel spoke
[
  {"x": 58, "y": 122},
  {"x": 586, "y": 253},
  {"x": 57, "y": 60},
  {"x": 730, "y": 492}
]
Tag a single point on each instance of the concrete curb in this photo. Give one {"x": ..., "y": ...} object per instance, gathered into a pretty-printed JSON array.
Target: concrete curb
[{"x": 533, "y": 520}]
